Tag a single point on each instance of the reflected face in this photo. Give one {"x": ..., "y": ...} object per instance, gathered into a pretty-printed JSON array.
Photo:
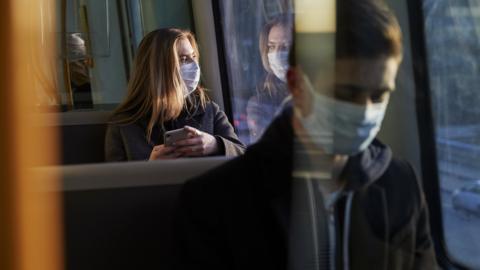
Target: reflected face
[
  {"x": 279, "y": 39},
  {"x": 360, "y": 81},
  {"x": 185, "y": 52},
  {"x": 365, "y": 81}
]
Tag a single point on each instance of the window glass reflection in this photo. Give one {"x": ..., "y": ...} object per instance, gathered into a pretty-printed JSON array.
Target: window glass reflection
[
  {"x": 96, "y": 41},
  {"x": 257, "y": 35}
]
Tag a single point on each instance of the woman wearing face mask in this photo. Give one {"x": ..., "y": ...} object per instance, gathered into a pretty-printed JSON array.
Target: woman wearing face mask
[
  {"x": 164, "y": 94},
  {"x": 275, "y": 40}
]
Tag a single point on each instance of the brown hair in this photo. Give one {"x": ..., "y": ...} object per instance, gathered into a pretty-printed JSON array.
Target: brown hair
[
  {"x": 364, "y": 29},
  {"x": 286, "y": 22},
  {"x": 155, "y": 89},
  {"x": 367, "y": 29}
]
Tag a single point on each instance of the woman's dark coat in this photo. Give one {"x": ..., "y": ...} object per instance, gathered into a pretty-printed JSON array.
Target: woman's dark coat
[{"x": 129, "y": 142}]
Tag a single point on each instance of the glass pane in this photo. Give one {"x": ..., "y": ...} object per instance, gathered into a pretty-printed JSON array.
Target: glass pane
[
  {"x": 92, "y": 71},
  {"x": 256, "y": 82},
  {"x": 453, "y": 35},
  {"x": 97, "y": 40}
]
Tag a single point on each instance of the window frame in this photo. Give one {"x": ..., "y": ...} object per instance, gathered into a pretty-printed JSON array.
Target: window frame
[
  {"x": 426, "y": 129},
  {"x": 222, "y": 61}
]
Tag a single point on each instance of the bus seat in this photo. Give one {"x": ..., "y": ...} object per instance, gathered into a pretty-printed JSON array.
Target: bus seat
[
  {"x": 119, "y": 215},
  {"x": 83, "y": 136}
]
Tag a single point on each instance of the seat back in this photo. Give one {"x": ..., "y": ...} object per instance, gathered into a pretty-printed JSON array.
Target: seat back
[{"x": 119, "y": 215}]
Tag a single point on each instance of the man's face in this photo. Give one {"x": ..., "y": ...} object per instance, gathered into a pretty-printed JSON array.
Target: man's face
[
  {"x": 365, "y": 81},
  {"x": 360, "y": 81}
]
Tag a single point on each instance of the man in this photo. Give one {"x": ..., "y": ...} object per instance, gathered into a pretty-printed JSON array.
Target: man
[{"x": 317, "y": 191}]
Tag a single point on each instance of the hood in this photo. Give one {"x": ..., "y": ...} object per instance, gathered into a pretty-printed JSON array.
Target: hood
[
  {"x": 278, "y": 142},
  {"x": 368, "y": 166}
]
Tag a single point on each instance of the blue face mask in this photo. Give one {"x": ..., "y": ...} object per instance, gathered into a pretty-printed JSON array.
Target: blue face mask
[
  {"x": 279, "y": 64},
  {"x": 191, "y": 76},
  {"x": 339, "y": 127}
]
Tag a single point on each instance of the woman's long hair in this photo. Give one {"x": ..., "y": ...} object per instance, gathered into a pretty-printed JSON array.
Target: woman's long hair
[
  {"x": 156, "y": 89},
  {"x": 286, "y": 22}
]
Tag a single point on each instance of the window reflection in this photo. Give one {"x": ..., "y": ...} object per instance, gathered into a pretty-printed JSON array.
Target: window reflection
[
  {"x": 255, "y": 89},
  {"x": 79, "y": 69},
  {"x": 96, "y": 41},
  {"x": 271, "y": 90}
]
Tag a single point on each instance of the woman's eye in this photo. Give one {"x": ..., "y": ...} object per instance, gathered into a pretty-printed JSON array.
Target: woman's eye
[
  {"x": 186, "y": 59},
  {"x": 377, "y": 98},
  {"x": 285, "y": 48}
]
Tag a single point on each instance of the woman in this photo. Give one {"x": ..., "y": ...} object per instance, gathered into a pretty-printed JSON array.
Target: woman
[
  {"x": 275, "y": 40},
  {"x": 164, "y": 94}
]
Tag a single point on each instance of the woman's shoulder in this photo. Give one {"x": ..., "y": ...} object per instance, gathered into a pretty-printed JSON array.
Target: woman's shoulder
[
  {"x": 124, "y": 120},
  {"x": 212, "y": 106}
]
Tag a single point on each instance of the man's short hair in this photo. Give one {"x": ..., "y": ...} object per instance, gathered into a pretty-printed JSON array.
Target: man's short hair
[{"x": 364, "y": 29}]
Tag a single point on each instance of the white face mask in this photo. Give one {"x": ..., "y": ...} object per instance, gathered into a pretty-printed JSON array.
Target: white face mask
[
  {"x": 279, "y": 64},
  {"x": 340, "y": 127},
  {"x": 191, "y": 76}
]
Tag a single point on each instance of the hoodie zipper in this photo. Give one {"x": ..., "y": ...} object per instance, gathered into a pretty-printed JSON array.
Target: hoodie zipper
[
  {"x": 332, "y": 222},
  {"x": 332, "y": 232},
  {"x": 331, "y": 235},
  {"x": 346, "y": 231}
]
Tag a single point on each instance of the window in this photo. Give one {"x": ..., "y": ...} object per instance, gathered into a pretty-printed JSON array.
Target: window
[
  {"x": 91, "y": 68},
  {"x": 452, "y": 31},
  {"x": 97, "y": 40},
  {"x": 242, "y": 23},
  {"x": 476, "y": 188}
]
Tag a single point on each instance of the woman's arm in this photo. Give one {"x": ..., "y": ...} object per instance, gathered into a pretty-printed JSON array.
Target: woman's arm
[
  {"x": 228, "y": 142},
  {"x": 114, "y": 147}
]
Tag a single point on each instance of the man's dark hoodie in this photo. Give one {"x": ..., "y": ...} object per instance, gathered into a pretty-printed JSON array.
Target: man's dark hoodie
[{"x": 238, "y": 215}]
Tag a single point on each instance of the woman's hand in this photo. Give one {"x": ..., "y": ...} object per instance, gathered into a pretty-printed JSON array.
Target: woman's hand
[
  {"x": 198, "y": 144},
  {"x": 164, "y": 152}
]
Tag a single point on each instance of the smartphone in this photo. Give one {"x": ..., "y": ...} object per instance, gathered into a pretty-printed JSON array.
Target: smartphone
[{"x": 175, "y": 135}]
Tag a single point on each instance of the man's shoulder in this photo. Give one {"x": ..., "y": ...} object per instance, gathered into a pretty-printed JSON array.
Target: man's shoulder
[
  {"x": 400, "y": 175},
  {"x": 402, "y": 189}
]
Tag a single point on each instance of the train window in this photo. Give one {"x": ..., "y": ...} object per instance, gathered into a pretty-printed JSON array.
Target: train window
[
  {"x": 256, "y": 80},
  {"x": 166, "y": 13},
  {"x": 452, "y": 39},
  {"x": 97, "y": 40}
]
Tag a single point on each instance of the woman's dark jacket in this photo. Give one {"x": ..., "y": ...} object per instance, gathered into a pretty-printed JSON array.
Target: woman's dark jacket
[
  {"x": 264, "y": 106},
  {"x": 129, "y": 142},
  {"x": 237, "y": 216}
]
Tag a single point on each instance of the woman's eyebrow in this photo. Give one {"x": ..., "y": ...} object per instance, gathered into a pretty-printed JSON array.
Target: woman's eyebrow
[{"x": 186, "y": 53}]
